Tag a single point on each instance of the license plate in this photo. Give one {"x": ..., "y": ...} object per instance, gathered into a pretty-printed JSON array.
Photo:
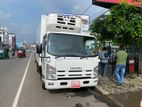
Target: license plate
[
  {"x": 75, "y": 84},
  {"x": 20, "y": 51}
]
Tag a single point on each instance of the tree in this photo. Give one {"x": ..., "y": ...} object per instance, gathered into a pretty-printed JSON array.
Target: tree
[{"x": 123, "y": 25}]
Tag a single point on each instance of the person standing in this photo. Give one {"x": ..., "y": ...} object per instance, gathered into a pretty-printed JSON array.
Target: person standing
[
  {"x": 121, "y": 58},
  {"x": 103, "y": 61}
]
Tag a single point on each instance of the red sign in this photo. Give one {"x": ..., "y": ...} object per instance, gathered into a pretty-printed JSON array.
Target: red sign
[
  {"x": 109, "y": 1},
  {"x": 133, "y": 2},
  {"x": 75, "y": 84}
]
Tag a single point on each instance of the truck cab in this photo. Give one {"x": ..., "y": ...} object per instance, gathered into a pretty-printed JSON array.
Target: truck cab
[{"x": 69, "y": 59}]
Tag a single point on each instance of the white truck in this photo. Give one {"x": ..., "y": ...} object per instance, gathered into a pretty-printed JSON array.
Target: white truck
[{"x": 66, "y": 57}]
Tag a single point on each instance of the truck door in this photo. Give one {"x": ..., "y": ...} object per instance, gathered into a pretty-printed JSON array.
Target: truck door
[{"x": 43, "y": 60}]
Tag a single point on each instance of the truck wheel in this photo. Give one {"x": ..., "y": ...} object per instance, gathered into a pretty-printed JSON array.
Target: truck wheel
[
  {"x": 40, "y": 73},
  {"x": 43, "y": 86},
  {"x": 37, "y": 68}
]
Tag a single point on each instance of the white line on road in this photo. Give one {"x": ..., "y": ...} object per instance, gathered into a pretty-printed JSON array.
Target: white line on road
[{"x": 16, "y": 99}]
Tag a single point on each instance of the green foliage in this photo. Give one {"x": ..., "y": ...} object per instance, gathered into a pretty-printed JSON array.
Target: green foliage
[{"x": 123, "y": 25}]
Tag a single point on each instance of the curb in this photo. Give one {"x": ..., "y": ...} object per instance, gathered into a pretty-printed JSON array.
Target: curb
[{"x": 105, "y": 95}]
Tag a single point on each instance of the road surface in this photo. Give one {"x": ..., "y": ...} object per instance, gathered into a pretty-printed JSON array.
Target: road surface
[{"x": 20, "y": 86}]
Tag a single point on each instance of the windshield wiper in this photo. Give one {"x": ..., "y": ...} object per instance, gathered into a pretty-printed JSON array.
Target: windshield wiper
[
  {"x": 73, "y": 55},
  {"x": 58, "y": 56},
  {"x": 82, "y": 57},
  {"x": 86, "y": 56},
  {"x": 67, "y": 55}
]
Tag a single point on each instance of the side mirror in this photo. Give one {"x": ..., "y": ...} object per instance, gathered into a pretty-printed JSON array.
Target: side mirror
[{"x": 39, "y": 48}]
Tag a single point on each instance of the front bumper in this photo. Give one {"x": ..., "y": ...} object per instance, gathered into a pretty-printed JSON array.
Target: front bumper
[{"x": 62, "y": 84}]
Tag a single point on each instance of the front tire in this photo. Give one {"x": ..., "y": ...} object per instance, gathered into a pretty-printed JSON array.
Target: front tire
[{"x": 43, "y": 86}]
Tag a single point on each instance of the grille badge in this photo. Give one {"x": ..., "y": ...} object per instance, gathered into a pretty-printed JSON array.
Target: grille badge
[{"x": 76, "y": 68}]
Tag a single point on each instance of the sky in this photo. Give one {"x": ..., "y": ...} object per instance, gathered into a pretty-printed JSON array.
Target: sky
[{"x": 22, "y": 17}]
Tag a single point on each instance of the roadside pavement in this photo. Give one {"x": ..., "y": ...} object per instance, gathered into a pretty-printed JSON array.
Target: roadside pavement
[{"x": 107, "y": 86}]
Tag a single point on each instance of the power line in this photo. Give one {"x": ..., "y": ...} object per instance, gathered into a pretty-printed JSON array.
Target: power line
[
  {"x": 86, "y": 10},
  {"x": 98, "y": 13}
]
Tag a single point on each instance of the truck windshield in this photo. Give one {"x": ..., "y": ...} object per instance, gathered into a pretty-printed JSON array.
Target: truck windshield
[{"x": 67, "y": 45}]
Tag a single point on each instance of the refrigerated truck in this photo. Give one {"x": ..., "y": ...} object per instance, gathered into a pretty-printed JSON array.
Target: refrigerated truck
[{"x": 65, "y": 56}]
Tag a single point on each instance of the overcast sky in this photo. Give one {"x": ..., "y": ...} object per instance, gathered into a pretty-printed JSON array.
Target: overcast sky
[{"x": 23, "y": 16}]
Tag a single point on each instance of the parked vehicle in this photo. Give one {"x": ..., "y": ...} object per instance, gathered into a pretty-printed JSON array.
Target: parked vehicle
[
  {"x": 63, "y": 59},
  {"x": 4, "y": 53},
  {"x": 21, "y": 53},
  {"x": 4, "y": 46}
]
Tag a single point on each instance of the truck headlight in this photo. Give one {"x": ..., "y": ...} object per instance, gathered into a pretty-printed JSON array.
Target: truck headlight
[
  {"x": 96, "y": 71},
  {"x": 51, "y": 72},
  {"x": 51, "y": 69},
  {"x": 51, "y": 76}
]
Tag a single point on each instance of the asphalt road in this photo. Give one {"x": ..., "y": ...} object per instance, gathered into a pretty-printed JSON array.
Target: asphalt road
[{"x": 20, "y": 86}]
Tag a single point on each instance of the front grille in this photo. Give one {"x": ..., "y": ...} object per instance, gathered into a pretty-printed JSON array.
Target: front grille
[
  {"x": 75, "y": 71},
  {"x": 73, "y": 74},
  {"x": 73, "y": 78},
  {"x": 61, "y": 71}
]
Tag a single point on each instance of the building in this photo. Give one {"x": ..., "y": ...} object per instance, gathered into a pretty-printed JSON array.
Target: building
[{"x": 4, "y": 35}]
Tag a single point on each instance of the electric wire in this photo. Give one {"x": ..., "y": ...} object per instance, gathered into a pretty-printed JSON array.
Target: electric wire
[
  {"x": 98, "y": 15},
  {"x": 86, "y": 9},
  {"x": 100, "y": 12}
]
